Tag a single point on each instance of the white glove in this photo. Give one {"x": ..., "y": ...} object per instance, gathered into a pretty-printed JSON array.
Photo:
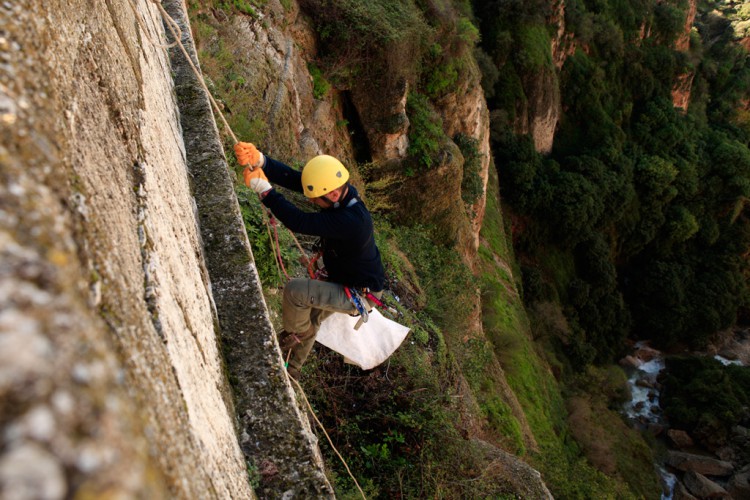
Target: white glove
[
  {"x": 260, "y": 186},
  {"x": 256, "y": 180}
]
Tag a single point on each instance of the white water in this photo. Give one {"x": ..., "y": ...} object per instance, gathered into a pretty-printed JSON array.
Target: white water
[
  {"x": 644, "y": 402},
  {"x": 669, "y": 480},
  {"x": 726, "y": 362},
  {"x": 643, "y": 408}
]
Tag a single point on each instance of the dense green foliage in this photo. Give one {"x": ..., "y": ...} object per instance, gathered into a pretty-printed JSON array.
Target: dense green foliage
[
  {"x": 706, "y": 398},
  {"x": 646, "y": 199},
  {"x": 472, "y": 186},
  {"x": 426, "y": 131},
  {"x": 363, "y": 39}
]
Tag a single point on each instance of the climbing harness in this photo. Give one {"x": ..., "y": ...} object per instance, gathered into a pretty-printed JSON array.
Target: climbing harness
[{"x": 315, "y": 272}]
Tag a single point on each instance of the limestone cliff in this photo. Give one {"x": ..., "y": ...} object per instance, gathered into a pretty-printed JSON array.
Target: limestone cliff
[
  {"x": 271, "y": 54},
  {"x": 125, "y": 271}
]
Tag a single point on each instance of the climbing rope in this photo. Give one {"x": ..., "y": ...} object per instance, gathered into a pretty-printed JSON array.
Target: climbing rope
[
  {"x": 328, "y": 437},
  {"x": 174, "y": 28},
  {"x": 145, "y": 29},
  {"x": 267, "y": 222},
  {"x": 177, "y": 34}
]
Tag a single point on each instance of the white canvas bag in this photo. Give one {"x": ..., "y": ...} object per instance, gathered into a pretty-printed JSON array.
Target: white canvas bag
[{"x": 366, "y": 347}]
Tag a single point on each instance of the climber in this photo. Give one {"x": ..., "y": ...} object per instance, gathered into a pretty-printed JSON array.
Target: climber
[{"x": 344, "y": 225}]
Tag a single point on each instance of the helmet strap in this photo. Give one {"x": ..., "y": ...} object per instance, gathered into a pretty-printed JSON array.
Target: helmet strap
[{"x": 344, "y": 192}]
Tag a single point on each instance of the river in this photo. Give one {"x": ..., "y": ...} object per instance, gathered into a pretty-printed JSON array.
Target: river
[
  {"x": 643, "y": 367},
  {"x": 643, "y": 410}
]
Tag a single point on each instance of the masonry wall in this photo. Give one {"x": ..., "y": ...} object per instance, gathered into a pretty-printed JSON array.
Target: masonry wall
[{"x": 112, "y": 379}]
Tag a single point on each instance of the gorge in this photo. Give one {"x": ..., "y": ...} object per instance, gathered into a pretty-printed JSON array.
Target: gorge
[{"x": 550, "y": 181}]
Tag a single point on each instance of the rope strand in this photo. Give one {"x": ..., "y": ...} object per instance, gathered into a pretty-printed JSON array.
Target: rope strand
[
  {"x": 177, "y": 34},
  {"x": 327, "y": 436}
]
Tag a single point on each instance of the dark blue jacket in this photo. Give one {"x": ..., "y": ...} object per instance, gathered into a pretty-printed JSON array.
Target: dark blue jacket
[{"x": 346, "y": 231}]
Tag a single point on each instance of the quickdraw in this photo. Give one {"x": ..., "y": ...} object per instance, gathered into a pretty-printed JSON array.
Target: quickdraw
[
  {"x": 356, "y": 299},
  {"x": 372, "y": 298}
]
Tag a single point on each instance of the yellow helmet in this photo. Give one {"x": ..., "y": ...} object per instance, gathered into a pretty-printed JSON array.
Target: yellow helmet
[{"x": 322, "y": 175}]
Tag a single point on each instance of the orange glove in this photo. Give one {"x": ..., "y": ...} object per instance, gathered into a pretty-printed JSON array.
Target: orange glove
[
  {"x": 256, "y": 180},
  {"x": 248, "y": 154}
]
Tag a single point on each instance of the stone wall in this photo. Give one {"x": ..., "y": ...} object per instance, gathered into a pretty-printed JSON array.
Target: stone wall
[
  {"x": 274, "y": 433},
  {"x": 111, "y": 375}
]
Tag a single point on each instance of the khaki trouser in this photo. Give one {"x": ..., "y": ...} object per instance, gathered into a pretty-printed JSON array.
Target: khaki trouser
[{"x": 307, "y": 303}]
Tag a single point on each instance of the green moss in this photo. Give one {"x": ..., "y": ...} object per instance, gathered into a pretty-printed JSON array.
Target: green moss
[
  {"x": 242, "y": 6},
  {"x": 472, "y": 187},
  {"x": 426, "y": 131},
  {"x": 321, "y": 86},
  {"x": 534, "y": 51},
  {"x": 499, "y": 415}
]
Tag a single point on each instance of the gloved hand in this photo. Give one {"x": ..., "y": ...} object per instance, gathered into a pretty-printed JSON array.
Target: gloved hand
[
  {"x": 256, "y": 180},
  {"x": 248, "y": 154}
]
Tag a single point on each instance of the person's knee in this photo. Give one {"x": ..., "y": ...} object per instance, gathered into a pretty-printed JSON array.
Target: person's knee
[{"x": 296, "y": 292}]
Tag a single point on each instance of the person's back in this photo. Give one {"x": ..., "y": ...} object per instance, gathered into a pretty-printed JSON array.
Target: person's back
[{"x": 345, "y": 226}]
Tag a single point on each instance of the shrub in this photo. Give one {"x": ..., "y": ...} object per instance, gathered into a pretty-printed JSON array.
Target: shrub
[
  {"x": 243, "y": 6},
  {"x": 704, "y": 397},
  {"x": 669, "y": 21},
  {"x": 321, "y": 86},
  {"x": 472, "y": 186},
  {"x": 534, "y": 51},
  {"x": 491, "y": 75},
  {"x": 425, "y": 131},
  {"x": 377, "y": 37}
]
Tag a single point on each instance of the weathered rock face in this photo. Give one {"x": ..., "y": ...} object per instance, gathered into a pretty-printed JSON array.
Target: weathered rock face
[
  {"x": 121, "y": 263},
  {"x": 272, "y": 54},
  {"x": 465, "y": 112},
  {"x": 127, "y": 285},
  {"x": 275, "y": 436},
  {"x": 112, "y": 377},
  {"x": 541, "y": 112},
  {"x": 538, "y": 115},
  {"x": 683, "y": 42},
  {"x": 702, "y": 487},
  {"x": 698, "y": 463},
  {"x": 563, "y": 43},
  {"x": 684, "y": 84}
]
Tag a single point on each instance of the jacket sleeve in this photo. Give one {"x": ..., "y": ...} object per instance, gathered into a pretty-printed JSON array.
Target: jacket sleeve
[
  {"x": 283, "y": 175},
  {"x": 326, "y": 224}
]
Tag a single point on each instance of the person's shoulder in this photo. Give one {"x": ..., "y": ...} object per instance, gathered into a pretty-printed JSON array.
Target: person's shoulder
[{"x": 352, "y": 192}]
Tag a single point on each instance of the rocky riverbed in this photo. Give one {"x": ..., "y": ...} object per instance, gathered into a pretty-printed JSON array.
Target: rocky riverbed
[{"x": 689, "y": 470}]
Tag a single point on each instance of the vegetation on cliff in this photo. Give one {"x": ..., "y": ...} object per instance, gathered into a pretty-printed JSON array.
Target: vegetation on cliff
[
  {"x": 633, "y": 225},
  {"x": 636, "y": 223},
  {"x": 642, "y": 201}
]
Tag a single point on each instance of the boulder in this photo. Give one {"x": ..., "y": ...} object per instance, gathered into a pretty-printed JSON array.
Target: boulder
[
  {"x": 679, "y": 438},
  {"x": 726, "y": 453},
  {"x": 739, "y": 485},
  {"x": 689, "y": 462},
  {"x": 702, "y": 487},
  {"x": 681, "y": 493},
  {"x": 646, "y": 353},
  {"x": 629, "y": 362},
  {"x": 644, "y": 383}
]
